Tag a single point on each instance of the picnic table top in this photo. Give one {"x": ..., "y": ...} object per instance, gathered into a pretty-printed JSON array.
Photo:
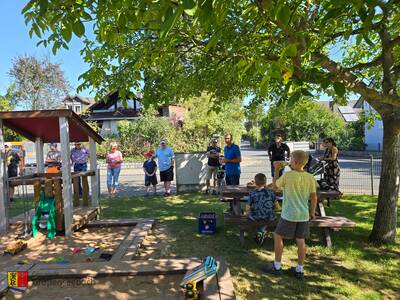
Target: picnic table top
[{"x": 242, "y": 190}]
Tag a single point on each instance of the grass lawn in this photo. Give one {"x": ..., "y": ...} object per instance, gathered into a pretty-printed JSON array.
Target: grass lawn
[{"x": 352, "y": 269}]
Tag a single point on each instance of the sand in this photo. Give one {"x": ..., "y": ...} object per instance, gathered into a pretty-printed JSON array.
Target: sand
[{"x": 41, "y": 249}]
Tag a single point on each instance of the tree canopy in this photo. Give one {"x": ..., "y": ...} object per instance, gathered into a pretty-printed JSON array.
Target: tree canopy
[
  {"x": 39, "y": 83},
  {"x": 276, "y": 50}
]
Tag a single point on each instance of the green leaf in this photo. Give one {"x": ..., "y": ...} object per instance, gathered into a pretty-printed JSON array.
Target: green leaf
[
  {"x": 284, "y": 15},
  {"x": 211, "y": 43},
  {"x": 306, "y": 92},
  {"x": 28, "y": 6},
  {"x": 78, "y": 28},
  {"x": 54, "y": 48},
  {"x": 290, "y": 50},
  {"x": 189, "y": 4},
  {"x": 339, "y": 88},
  {"x": 66, "y": 32},
  {"x": 170, "y": 20},
  {"x": 333, "y": 13},
  {"x": 264, "y": 86},
  {"x": 294, "y": 98},
  {"x": 367, "y": 40}
]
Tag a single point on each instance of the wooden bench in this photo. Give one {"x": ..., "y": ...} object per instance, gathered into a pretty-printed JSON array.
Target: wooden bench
[{"x": 323, "y": 222}]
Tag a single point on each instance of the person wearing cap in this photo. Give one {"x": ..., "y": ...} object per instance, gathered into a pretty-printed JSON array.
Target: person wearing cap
[
  {"x": 165, "y": 157},
  {"x": 213, "y": 153},
  {"x": 13, "y": 162},
  {"x": 276, "y": 153},
  {"x": 79, "y": 158},
  {"x": 53, "y": 159},
  {"x": 150, "y": 169}
]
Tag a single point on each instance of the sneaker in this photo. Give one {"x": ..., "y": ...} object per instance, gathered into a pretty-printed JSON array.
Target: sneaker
[
  {"x": 206, "y": 192},
  {"x": 270, "y": 269},
  {"x": 260, "y": 237},
  {"x": 298, "y": 275},
  {"x": 167, "y": 194}
]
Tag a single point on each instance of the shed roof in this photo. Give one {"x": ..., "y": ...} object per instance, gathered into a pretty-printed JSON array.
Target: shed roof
[{"x": 45, "y": 125}]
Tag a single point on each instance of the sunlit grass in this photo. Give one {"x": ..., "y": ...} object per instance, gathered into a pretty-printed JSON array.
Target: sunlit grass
[{"x": 351, "y": 269}]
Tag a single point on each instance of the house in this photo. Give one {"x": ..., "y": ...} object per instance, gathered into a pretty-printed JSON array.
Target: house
[
  {"x": 348, "y": 112},
  {"x": 108, "y": 111},
  {"x": 373, "y": 134},
  {"x": 77, "y": 103}
]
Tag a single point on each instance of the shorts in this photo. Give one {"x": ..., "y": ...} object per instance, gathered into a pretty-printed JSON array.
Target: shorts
[
  {"x": 167, "y": 175},
  {"x": 211, "y": 172},
  {"x": 150, "y": 180},
  {"x": 293, "y": 230},
  {"x": 232, "y": 179}
]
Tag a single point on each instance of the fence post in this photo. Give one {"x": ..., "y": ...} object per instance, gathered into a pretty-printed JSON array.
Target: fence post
[{"x": 371, "y": 157}]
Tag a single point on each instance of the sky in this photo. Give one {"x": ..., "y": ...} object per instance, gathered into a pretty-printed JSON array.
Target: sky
[{"x": 16, "y": 41}]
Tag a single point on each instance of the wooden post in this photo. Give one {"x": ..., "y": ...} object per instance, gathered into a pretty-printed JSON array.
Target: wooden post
[
  {"x": 66, "y": 174},
  {"x": 85, "y": 191},
  {"x": 37, "y": 186},
  {"x": 93, "y": 167},
  {"x": 59, "y": 204},
  {"x": 39, "y": 155},
  {"x": 75, "y": 182},
  {"x": 3, "y": 185}
]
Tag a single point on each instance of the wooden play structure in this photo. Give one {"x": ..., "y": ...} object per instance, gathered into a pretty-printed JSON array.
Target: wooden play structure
[{"x": 53, "y": 126}]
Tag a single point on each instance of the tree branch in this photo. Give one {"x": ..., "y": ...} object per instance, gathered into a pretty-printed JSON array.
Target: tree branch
[
  {"x": 375, "y": 98},
  {"x": 336, "y": 35},
  {"x": 377, "y": 61}
]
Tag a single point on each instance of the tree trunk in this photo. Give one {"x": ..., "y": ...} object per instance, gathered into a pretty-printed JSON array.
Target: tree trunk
[{"x": 385, "y": 223}]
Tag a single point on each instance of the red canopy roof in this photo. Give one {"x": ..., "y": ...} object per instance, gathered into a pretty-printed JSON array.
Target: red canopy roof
[{"x": 45, "y": 125}]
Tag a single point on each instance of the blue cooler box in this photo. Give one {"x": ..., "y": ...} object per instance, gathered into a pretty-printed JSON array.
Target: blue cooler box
[{"x": 207, "y": 223}]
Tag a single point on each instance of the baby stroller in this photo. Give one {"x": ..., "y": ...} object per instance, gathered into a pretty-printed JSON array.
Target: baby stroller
[{"x": 316, "y": 167}]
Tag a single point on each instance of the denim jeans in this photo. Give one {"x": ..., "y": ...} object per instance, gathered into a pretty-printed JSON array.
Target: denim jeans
[
  {"x": 112, "y": 178},
  {"x": 80, "y": 168}
]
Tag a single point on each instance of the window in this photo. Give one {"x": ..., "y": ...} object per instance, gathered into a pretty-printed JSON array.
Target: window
[
  {"x": 78, "y": 109},
  {"x": 69, "y": 106}
]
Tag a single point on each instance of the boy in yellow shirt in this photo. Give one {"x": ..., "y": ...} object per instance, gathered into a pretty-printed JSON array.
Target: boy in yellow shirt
[{"x": 298, "y": 188}]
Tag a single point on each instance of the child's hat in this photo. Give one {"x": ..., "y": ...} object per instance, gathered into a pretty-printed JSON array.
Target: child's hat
[{"x": 149, "y": 154}]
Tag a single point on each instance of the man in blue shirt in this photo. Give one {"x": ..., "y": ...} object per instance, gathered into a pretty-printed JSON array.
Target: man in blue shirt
[
  {"x": 166, "y": 158},
  {"x": 232, "y": 159}
]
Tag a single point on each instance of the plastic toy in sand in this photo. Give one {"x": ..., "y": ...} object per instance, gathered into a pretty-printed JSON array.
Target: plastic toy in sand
[
  {"x": 15, "y": 247},
  {"x": 206, "y": 269}
]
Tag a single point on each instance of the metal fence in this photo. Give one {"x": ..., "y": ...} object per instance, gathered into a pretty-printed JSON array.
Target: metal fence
[{"x": 357, "y": 175}]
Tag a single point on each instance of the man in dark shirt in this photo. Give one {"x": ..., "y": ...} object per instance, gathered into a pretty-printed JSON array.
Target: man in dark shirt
[
  {"x": 276, "y": 152},
  {"x": 13, "y": 162},
  {"x": 213, "y": 153}
]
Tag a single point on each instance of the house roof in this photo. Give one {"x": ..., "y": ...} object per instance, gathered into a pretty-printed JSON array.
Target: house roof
[
  {"x": 44, "y": 124},
  {"x": 109, "y": 100},
  {"x": 81, "y": 99}
]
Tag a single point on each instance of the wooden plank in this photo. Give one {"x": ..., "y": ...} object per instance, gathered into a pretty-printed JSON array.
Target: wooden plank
[
  {"x": 37, "y": 188},
  {"x": 116, "y": 222},
  {"x": 93, "y": 166},
  {"x": 85, "y": 191},
  {"x": 82, "y": 216},
  {"x": 3, "y": 185},
  {"x": 59, "y": 204},
  {"x": 326, "y": 231},
  {"x": 220, "y": 287},
  {"x": 129, "y": 246},
  {"x": 66, "y": 174},
  {"x": 75, "y": 183},
  {"x": 35, "y": 114},
  {"x": 39, "y": 155},
  {"x": 106, "y": 269},
  {"x": 81, "y": 174}
]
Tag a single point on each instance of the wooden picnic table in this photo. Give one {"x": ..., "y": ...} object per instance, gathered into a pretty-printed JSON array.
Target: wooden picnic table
[{"x": 234, "y": 194}]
